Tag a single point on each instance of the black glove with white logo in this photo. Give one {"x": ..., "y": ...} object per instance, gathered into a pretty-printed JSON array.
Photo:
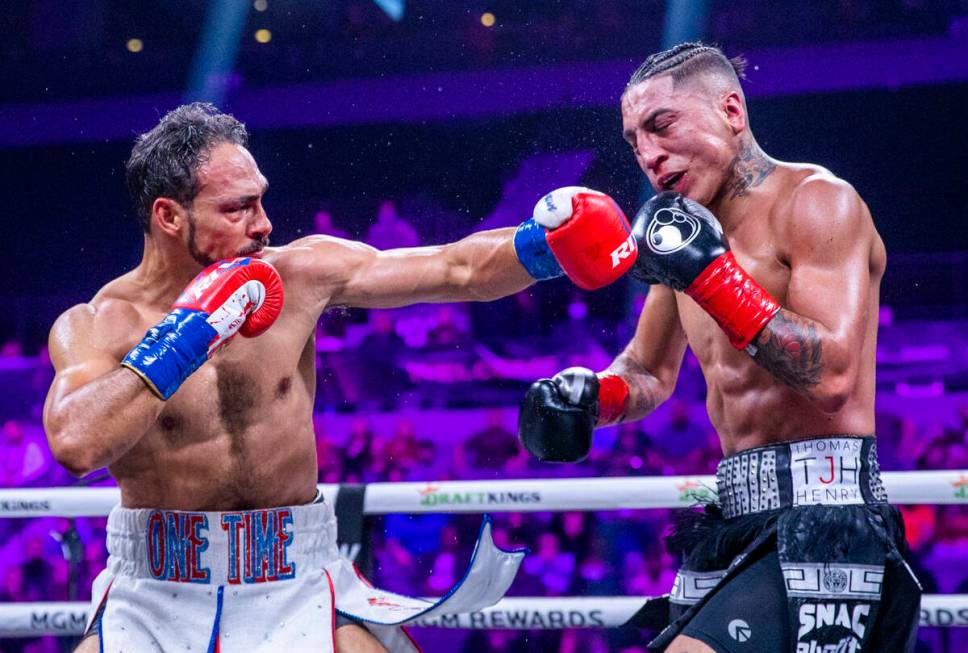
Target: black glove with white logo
[
  {"x": 681, "y": 245},
  {"x": 678, "y": 239}
]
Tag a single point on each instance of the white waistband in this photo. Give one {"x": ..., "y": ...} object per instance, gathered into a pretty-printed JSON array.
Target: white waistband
[{"x": 240, "y": 547}]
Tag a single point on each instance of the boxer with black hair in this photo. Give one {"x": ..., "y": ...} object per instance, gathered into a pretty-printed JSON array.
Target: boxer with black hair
[
  {"x": 220, "y": 542},
  {"x": 770, "y": 271}
]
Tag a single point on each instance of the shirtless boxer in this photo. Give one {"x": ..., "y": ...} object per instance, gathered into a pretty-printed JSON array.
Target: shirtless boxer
[
  {"x": 778, "y": 299},
  {"x": 216, "y": 459}
]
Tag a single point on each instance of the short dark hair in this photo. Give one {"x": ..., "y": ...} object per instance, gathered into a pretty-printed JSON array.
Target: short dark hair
[
  {"x": 164, "y": 162},
  {"x": 688, "y": 59}
]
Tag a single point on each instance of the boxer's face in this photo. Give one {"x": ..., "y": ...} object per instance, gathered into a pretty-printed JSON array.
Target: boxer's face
[
  {"x": 681, "y": 137},
  {"x": 226, "y": 219}
]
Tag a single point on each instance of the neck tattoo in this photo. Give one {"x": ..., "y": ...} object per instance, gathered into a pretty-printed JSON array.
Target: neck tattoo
[{"x": 748, "y": 169}]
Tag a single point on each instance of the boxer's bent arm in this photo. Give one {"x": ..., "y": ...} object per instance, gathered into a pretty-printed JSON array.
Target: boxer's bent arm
[
  {"x": 651, "y": 361},
  {"x": 814, "y": 343},
  {"x": 480, "y": 267},
  {"x": 95, "y": 411}
]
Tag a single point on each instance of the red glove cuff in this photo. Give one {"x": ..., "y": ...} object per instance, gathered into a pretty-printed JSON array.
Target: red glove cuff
[
  {"x": 732, "y": 297},
  {"x": 613, "y": 399}
]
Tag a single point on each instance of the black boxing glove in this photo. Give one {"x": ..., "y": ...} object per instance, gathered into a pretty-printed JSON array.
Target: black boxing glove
[
  {"x": 678, "y": 239},
  {"x": 558, "y": 415},
  {"x": 681, "y": 245}
]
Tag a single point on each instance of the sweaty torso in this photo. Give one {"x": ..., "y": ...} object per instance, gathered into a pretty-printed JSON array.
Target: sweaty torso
[
  {"x": 238, "y": 433},
  {"x": 747, "y": 405}
]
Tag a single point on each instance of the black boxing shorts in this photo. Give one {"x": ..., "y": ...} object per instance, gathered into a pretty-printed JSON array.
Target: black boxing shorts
[{"x": 801, "y": 552}]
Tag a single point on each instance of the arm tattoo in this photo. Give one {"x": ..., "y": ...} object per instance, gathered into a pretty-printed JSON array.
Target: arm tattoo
[
  {"x": 748, "y": 168},
  {"x": 643, "y": 391},
  {"x": 789, "y": 348}
]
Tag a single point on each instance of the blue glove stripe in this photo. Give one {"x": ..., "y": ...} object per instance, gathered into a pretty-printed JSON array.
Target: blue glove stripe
[
  {"x": 171, "y": 351},
  {"x": 531, "y": 246}
]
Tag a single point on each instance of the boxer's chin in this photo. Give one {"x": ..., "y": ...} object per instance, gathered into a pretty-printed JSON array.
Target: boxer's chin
[
  {"x": 199, "y": 256},
  {"x": 700, "y": 190}
]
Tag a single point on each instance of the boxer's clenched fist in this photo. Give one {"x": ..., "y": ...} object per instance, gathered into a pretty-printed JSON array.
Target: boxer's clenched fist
[
  {"x": 243, "y": 295},
  {"x": 681, "y": 245},
  {"x": 579, "y": 232},
  {"x": 558, "y": 415}
]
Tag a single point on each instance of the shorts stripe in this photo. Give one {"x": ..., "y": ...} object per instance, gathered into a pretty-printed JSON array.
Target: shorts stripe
[
  {"x": 332, "y": 596},
  {"x": 213, "y": 645}
]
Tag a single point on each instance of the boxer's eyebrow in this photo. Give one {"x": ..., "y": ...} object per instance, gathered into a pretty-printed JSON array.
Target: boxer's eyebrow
[
  {"x": 649, "y": 122},
  {"x": 244, "y": 199}
]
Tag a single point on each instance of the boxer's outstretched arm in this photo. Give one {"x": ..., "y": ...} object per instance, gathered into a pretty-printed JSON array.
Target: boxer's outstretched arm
[
  {"x": 480, "y": 267},
  {"x": 95, "y": 411},
  {"x": 814, "y": 343},
  {"x": 651, "y": 361}
]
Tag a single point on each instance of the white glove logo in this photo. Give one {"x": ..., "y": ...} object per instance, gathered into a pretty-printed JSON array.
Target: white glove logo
[
  {"x": 623, "y": 251},
  {"x": 555, "y": 208},
  {"x": 670, "y": 230}
]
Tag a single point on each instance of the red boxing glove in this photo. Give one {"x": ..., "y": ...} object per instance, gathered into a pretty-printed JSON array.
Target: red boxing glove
[
  {"x": 588, "y": 234},
  {"x": 242, "y": 295},
  {"x": 239, "y": 296}
]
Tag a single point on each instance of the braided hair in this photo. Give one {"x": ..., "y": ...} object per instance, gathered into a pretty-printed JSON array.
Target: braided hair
[{"x": 686, "y": 60}]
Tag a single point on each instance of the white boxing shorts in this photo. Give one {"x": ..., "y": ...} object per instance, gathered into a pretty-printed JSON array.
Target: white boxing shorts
[{"x": 258, "y": 580}]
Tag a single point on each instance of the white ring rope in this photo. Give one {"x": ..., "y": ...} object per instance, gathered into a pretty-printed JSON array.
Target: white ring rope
[
  {"x": 526, "y": 495},
  {"x": 520, "y": 613}
]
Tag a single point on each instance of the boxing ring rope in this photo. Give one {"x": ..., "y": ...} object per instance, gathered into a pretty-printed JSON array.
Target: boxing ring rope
[
  {"x": 525, "y": 495},
  {"x": 518, "y": 613}
]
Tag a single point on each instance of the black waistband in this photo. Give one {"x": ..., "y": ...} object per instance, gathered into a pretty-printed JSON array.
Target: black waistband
[{"x": 828, "y": 470}]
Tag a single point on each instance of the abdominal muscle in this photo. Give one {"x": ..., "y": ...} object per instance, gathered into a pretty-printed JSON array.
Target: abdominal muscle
[
  {"x": 749, "y": 408},
  {"x": 272, "y": 464}
]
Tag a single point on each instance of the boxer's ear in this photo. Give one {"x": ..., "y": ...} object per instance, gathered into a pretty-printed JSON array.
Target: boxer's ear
[
  {"x": 167, "y": 215},
  {"x": 734, "y": 111}
]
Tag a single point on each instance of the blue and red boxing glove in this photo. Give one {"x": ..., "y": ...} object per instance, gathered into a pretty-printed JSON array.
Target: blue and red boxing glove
[
  {"x": 242, "y": 295},
  {"x": 681, "y": 245},
  {"x": 578, "y": 232}
]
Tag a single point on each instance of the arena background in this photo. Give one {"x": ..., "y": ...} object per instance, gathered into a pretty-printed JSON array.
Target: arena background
[{"x": 447, "y": 117}]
